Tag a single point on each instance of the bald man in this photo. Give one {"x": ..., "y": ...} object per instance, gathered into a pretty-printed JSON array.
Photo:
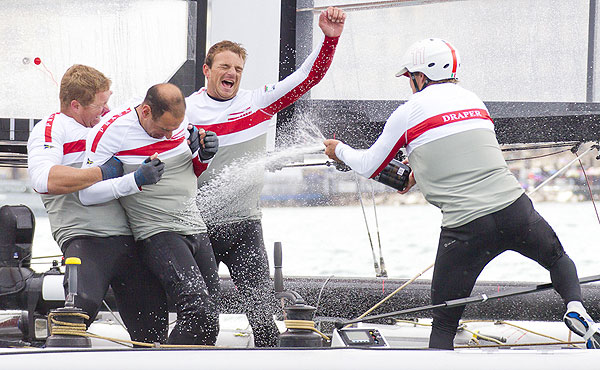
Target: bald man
[{"x": 163, "y": 216}]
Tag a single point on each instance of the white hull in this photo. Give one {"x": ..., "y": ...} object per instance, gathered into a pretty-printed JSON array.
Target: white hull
[
  {"x": 327, "y": 358},
  {"x": 407, "y": 341}
]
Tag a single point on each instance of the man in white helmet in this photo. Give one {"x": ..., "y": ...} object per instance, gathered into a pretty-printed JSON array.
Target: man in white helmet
[{"x": 456, "y": 160}]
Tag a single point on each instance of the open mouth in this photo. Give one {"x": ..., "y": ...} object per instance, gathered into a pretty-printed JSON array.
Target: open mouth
[{"x": 227, "y": 84}]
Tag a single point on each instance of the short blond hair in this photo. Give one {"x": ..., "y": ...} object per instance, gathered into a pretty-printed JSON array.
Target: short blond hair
[
  {"x": 82, "y": 83},
  {"x": 224, "y": 45},
  {"x": 447, "y": 80}
]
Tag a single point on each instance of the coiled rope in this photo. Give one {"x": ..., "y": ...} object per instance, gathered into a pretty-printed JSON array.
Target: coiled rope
[
  {"x": 60, "y": 327},
  {"x": 304, "y": 324},
  {"x": 67, "y": 328}
]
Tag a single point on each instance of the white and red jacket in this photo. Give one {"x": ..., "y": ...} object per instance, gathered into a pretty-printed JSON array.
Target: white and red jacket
[
  {"x": 164, "y": 206},
  {"x": 60, "y": 140},
  {"x": 452, "y": 148},
  {"x": 242, "y": 123}
]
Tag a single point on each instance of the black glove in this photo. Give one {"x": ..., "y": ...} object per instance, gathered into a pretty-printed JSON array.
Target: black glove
[
  {"x": 149, "y": 172},
  {"x": 112, "y": 168},
  {"x": 211, "y": 146},
  {"x": 194, "y": 139}
]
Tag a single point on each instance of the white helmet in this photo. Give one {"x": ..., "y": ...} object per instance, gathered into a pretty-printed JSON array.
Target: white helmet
[{"x": 436, "y": 58}]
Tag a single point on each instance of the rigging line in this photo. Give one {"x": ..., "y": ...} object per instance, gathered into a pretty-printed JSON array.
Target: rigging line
[
  {"x": 375, "y": 264},
  {"x": 477, "y": 336},
  {"x": 381, "y": 262},
  {"x": 562, "y": 169},
  {"x": 320, "y": 293},
  {"x": 304, "y": 165},
  {"x": 587, "y": 182},
  {"x": 538, "y": 156},
  {"x": 394, "y": 292},
  {"x": 54, "y": 256},
  {"x": 530, "y": 331},
  {"x": 459, "y": 302},
  {"x": 113, "y": 314},
  {"x": 50, "y": 73},
  {"x": 510, "y": 148},
  {"x": 521, "y": 344}
]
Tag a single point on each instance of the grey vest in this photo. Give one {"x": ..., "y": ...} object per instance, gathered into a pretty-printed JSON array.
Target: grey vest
[
  {"x": 70, "y": 219},
  {"x": 168, "y": 205},
  {"x": 464, "y": 175}
]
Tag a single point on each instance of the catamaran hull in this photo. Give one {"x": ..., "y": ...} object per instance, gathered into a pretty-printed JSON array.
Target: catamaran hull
[
  {"x": 334, "y": 298},
  {"x": 302, "y": 359}
]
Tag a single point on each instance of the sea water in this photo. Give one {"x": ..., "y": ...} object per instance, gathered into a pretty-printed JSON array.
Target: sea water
[{"x": 325, "y": 241}]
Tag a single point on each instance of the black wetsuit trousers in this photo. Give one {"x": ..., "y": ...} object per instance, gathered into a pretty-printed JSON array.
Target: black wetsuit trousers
[
  {"x": 241, "y": 247},
  {"x": 114, "y": 261},
  {"x": 464, "y": 251},
  {"x": 185, "y": 266}
]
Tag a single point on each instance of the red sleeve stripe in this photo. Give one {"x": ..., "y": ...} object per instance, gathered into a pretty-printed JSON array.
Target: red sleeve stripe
[
  {"x": 431, "y": 123},
  {"x": 74, "y": 147},
  {"x": 48, "y": 131},
  {"x": 238, "y": 125},
  {"x": 199, "y": 167},
  {"x": 320, "y": 66},
  {"x": 399, "y": 144},
  {"x": 159, "y": 147},
  {"x": 316, "y": 74},
  {"x": 105, "y": 126}
]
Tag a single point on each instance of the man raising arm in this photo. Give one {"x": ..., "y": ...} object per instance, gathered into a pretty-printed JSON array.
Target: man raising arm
[{"x": 240, "y": 118}]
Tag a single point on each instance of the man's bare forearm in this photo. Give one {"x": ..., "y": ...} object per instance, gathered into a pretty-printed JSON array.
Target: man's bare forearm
[{"x": 65, "y": 179}]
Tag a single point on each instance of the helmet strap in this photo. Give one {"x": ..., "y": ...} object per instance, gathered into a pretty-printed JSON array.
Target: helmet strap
[{"x": 414, "y": 81}]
